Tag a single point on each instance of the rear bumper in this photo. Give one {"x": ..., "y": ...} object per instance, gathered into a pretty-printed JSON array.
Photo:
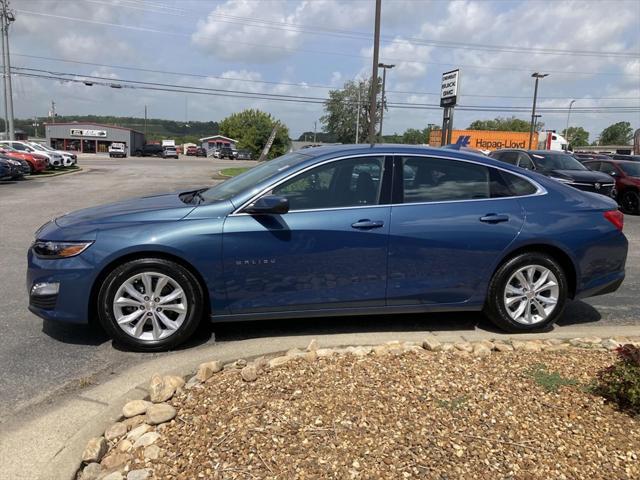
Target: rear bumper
[{"x": 603, "y": 285}]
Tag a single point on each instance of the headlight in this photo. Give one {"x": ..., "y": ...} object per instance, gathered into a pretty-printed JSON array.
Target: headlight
[
  {"x": 53, "y": 250},
  {"x": 562, "y": 180}
]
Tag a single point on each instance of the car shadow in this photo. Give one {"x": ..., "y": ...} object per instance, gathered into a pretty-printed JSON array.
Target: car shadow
[{"x": 75, "y": 334}]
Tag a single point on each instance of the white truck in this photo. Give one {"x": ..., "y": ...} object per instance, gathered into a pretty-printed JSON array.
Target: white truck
[
  {"x": 117, "y": 149},
  {"x": 550, "y": 140}
]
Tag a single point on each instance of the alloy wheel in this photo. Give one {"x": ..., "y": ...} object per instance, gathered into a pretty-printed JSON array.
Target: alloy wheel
[
  {"x": 150, "y": 306},
  {"x": 631, "y": 202},
  {"x": 531, "y": 294}
]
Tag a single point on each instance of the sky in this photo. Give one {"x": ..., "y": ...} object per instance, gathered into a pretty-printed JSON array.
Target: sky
[{"x": 304, "y": 48}]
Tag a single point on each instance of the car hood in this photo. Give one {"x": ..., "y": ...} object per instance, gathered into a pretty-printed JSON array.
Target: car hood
[
  {"x": 145, "y": 209},
  {"x": 586, "y": 176}
]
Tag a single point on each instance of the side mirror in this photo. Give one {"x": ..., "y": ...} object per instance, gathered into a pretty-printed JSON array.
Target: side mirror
[{"x": 268, "y": 204}]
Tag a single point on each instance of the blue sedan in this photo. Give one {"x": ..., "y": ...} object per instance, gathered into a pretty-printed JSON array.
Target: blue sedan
[{"x": 342, "y": 230}]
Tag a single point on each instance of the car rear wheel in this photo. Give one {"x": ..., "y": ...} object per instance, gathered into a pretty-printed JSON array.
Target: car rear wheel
[
  {"x": 631, "y": 202},
  {"x": 527, "y": 293},
  {"x": 150, "y": 304}
]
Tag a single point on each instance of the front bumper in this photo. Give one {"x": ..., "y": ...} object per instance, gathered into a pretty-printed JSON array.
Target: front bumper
[{"x": 74, "y": 277}]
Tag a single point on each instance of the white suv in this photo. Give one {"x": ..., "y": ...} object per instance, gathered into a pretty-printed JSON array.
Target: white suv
[
  {"x": 68, "y": 158},
  {"x": 53, "y": 159}
]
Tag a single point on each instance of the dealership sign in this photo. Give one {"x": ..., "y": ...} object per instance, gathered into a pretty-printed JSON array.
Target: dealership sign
[
  {"x": 449, "y": 88},
  {"x": 79, "y": 132}
]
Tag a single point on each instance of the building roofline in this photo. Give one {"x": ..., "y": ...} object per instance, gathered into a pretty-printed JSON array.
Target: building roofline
[
  {"x": 217, "y": 136},
  {"x": 47, "y": 124}
]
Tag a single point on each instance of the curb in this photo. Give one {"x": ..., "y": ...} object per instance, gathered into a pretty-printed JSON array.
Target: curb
[
  {"x": 64, "y": 463},
  {"x": 57, "y": 174}
]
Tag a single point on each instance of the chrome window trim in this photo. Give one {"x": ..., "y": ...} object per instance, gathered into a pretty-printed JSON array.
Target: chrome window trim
[{"x": 540, "y": 190}]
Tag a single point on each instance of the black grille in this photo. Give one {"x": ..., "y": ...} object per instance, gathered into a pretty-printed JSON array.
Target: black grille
[
  {"x": 603, "y": 190},
  {"x": 43, "y": 302}
]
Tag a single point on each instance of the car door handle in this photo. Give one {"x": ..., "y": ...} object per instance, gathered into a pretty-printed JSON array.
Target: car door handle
[
  {"x": 495, "y": 218},
  {"x": 367, "y": 224}
]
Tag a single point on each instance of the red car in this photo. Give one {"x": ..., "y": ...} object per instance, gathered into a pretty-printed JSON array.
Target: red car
[
  {"x": 37, "y": 163},
  {"x": 192, "y": 150},
  {"x": 627, "y": 176}
]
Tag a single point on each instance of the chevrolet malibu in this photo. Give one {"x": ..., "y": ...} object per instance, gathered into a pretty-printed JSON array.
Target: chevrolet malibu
[{"x": 341, "y": 230}]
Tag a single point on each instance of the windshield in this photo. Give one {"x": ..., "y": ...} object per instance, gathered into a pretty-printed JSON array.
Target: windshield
[
  {"x": 38, "y": 147},
  {"x": 631, "y": 169},
  {"x": 556, "y": 161},
  {"x": 250, "y": 178}
]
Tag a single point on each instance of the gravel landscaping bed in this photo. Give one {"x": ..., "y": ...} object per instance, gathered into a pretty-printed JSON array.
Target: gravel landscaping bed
[{"x": 391, "y": 411}]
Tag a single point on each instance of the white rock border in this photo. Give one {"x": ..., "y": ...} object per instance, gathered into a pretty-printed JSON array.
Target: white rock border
[{"x": 108, "y": 457}]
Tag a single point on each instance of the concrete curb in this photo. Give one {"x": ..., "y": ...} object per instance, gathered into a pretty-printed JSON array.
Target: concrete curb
[
  {"x": 59, "y": 457},
  {"x": 58, "y": 174}
]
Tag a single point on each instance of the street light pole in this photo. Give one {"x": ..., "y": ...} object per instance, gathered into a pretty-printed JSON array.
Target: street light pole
[
  {"x": 374, "y": 76},
  {"x": 7, "y": 17},
  {"x": 537, "y": 76},
  {"x": 566, "y": 130},
  {"x": 358, "y": 113},
  {"x": 315, "y": 127},
  {"x": 384, "y": 81}
]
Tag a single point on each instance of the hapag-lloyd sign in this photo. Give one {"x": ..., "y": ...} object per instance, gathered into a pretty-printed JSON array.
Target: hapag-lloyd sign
[
  {"x": 80, "y": 132},
  {"x": 449, "y": 88}
]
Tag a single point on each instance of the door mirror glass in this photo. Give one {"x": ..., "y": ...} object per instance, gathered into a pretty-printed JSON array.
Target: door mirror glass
[{"x": 270, "y": 204}]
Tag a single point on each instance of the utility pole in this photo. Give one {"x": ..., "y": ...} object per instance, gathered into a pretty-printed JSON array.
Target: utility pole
[
  {"x": 35, "y": 126},
  {"x": 145, "y": 122},
  {"x": 315, "y": 127},
  {"x": 53, "y": 112},
  {"x": 384, "y": 100},
  {"x": 374, "y": 76},
  {"x": 537, "y": 76},
  {"x": 566, "y": 130},
  {"x": 358, "y": 113},
  {"x": 7, "y": 17},
  {"x": 4, "y": 86}
]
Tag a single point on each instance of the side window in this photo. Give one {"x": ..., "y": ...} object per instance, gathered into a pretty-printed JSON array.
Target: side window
[
  {"x": 437, "y": 180},
  {"x": 510, "y": 157},
  {"x": 525, "y": 162},
  {"x": 344, "y": 183},
  {"x": 593, "y": 165},
  {"x": 606, "y": 167},
  {"x": 18, "y": 146},
  {"x": 517, "y": 186}
]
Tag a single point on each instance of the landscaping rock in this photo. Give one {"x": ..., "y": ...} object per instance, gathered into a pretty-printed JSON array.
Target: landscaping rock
[
  {"x": 146, "y": 440},
  {"x": 113, "y": 476},
  {"x": 310, "y": 356},
  {"x": 135, "y": 407},
  {"x": 261, "y": 363},
  {"x": 278, "y": 361},
  {"x": 313, "y": 345},
  {"x": 160, "y": 390},
  {"x": 152, "y": 452},
  {"x": 359, "y": 351},
  {"x": 175, "y": 381},
  {"x": 133, "y": 422},
  {"x": 447, "y": 347},
  {"x": 240, "y": 363},
  {"x": 114, "y": 460},
  {"x": 160, "y": 413},
  {"x": 91, "y": 471},
  {"x": 610, "y": 344},
  {"x": 207, "y": 369},
  {"x": 125, "y": 446},
  {"x": 294, "y": 352},
  {"x": 518, "y": 345},
  {"x": 464, "y": 346},
  {"x": 502, "y": 347},
  {"x": 481, "y": 350},
  {"x": 116, "y": 430},
  {"x": 249, "y": 373},
  {"x": 532, "y": 346},
  {"x": 324, "y": 352},
  {"x": 137, "y": 432},
  {"x": 140, "y": 474},
  {"x": 431, "y": 344},
  {"x": 95, "y": 450}
]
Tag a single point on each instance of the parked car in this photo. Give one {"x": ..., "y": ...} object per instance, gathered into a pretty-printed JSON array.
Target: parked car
[
  {"x": 68, "y": 158},
  {"x": 561, "y": 167},
  {"x": 244, "y": 155},
  {"x": 150, "y": 150},
  {"x": 53, "y": 159},
  {"x": 37, "y": 163},
  {"x": 19, "y": 168},
  {"x": 223, "y": 152},
  {"x": 201, "y": 152},
  {"x": 300, "y": 236},
  {"x": 633, "y": 158},
  {"x": 8, "y": 170},
  {"x": 583, "y": 157},
  {"x": 627, "y": 176},
  {"x": 117, "y": 149},
  {"x": 192, "y": 150},
  {"x": 169, "y": 152}
]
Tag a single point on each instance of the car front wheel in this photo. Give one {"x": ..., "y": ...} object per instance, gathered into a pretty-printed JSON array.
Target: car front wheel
[
  {"x": 527, "y": 293},
  {"x": 631, "y": 202},
  {"x": 150, "y": 304}
]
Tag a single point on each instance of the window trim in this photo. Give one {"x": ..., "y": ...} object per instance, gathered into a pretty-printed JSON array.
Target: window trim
[{"x": 540, "y": 190}]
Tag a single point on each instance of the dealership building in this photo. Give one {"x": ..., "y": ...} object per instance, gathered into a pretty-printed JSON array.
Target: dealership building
[{"x": 91, "y": 137}]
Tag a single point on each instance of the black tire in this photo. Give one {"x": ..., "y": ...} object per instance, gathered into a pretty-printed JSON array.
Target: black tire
[
  {"x": 495, "y": 308},
  {"x": 630, "y": 202},
  {"x": 185, "y": 279}
]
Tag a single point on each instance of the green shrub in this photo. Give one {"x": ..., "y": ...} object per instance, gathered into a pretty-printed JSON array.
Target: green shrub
[{"x": 620, "y": 383}]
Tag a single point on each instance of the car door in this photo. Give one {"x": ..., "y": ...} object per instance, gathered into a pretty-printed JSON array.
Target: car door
[
  {"x": 329, "y": 251},
  {"x": 450, "y": 221}
]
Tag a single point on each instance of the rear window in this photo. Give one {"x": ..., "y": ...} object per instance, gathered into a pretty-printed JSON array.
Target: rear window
[{"x": 518, "y": 186}]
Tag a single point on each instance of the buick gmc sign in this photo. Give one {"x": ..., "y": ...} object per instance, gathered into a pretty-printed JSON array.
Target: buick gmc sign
[{"x": 80, "y": 132}]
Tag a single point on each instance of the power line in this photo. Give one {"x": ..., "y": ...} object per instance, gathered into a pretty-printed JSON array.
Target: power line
[
  {"x": 320, "y": 52},
  {"x": 294, "y": 84}
]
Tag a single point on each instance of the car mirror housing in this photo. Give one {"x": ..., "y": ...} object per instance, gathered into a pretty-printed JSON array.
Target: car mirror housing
[{"x": 270, "y": 204}]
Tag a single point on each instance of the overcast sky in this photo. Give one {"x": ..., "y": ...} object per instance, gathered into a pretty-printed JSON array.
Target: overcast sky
[{"x": 274, "y": 46}]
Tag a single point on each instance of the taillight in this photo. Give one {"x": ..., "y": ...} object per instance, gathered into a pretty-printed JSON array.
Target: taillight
[{"x": 616, "y": 218}]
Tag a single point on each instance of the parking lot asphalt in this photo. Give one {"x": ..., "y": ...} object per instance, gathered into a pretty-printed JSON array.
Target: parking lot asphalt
[{"x": 41, "y": 361}]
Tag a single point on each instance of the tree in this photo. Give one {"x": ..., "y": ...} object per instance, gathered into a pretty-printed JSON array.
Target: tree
[
  {"x": 252, "y": 129},
  {"x": 619, "y": 133},
  {"x": 341, "y": 112},
  {"x": 510, "y": 124},
  {"x": 576, "y": 136}
]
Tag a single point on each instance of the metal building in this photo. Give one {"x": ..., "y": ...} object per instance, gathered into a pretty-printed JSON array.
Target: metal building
[{"x": 91, "y": 137}]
